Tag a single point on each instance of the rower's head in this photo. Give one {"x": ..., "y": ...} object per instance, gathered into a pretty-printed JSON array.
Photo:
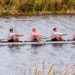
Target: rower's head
[
  {"x": 54, "y": 29},
  {"x": 11, "y": 30},
  {"x": 34, "y": 29}
]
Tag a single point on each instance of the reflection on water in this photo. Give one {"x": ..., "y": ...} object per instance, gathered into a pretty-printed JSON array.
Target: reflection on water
[
  {"x": 14, "y": 48},
  {"x": 18, "y": 60},
  {"x": 59, "y": 45}
]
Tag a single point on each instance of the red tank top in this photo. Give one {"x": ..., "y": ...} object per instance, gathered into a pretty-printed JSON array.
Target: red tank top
[
  {"x": 52, "y": 35},
  {"x": 74, "y": 36}
]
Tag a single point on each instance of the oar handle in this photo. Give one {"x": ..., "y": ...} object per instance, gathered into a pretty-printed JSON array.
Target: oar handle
[
  {"x": 64, "y": 34},
  {"x": 45, "y": 37}
]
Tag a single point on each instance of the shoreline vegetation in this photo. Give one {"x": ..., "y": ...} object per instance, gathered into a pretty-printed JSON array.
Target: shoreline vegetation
[{"x": 36, "y": 7}]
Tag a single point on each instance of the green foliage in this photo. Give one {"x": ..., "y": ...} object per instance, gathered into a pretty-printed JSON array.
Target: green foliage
[
  {"x": 4, "y": 13},
  {"x": 52, "y": 6}
]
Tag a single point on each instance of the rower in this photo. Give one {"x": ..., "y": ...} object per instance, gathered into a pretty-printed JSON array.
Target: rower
[
  {"x": 56, "y": 36},
  {"x": 35, "y": 37},
  {"x": 73, "y": 36},
  {"x": 12, "y": 37}
]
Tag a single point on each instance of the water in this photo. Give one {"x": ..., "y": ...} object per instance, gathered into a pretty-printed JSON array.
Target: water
[{"x": 15, "y": 60}]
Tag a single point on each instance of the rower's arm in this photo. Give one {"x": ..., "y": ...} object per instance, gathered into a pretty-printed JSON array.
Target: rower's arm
[
  {"x": 64, "y": 34},
  {"x": 57, "y": 33},
  {"x": 39, "y": 35},
  {"x": 19, "y": 35}
]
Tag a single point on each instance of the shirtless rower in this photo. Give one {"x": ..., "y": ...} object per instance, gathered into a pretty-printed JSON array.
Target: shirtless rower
[
  {"x": 12, "y": 37},
  {"x": 56, "y": 36},
  {"x": 35, "y": 36}
]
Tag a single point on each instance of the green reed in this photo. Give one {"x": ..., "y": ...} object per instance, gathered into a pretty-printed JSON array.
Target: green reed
[{"x": 37, "y": 6}]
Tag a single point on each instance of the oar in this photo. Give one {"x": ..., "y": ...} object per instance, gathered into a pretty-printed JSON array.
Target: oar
[
  {"x": 2, "y": 39},
  {"x": 65, "y": 34},
  {"x": 46, "y": 38}
]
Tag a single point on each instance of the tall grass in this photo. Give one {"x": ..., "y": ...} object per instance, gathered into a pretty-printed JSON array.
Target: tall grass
[
  {"x": 26, "y": 6},
  {"x": 67, "y": 70}
]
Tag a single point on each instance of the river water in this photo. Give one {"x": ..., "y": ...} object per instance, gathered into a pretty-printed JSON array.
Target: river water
[{"x": 23, "y": 60}]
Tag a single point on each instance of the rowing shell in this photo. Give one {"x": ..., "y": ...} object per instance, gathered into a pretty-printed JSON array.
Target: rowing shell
[{"x": 42, "y": 43}]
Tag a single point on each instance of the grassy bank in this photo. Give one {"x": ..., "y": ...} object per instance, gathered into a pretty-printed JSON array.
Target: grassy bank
[{"x": 34, "y": 7}]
